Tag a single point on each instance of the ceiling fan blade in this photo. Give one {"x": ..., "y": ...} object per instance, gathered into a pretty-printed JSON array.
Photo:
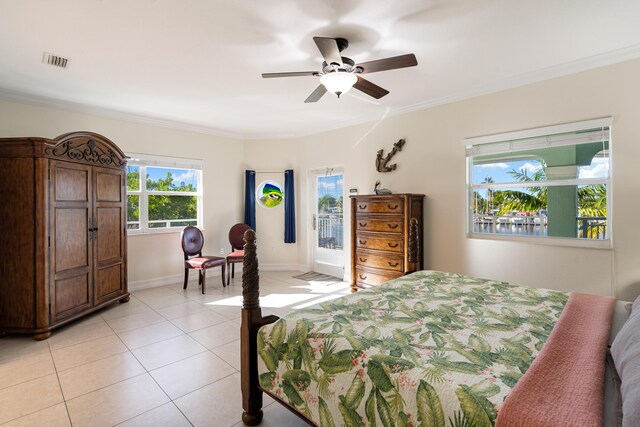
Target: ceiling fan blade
[
  {"x": 329, "y": 50},
  {"x": 316, "y": 94},
  {"x": 292, "y": 74},
  {"x": 402, "y": 61},
  {"x": 369, "y": 88}
]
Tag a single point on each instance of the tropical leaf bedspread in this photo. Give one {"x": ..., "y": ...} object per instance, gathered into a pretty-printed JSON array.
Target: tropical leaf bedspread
[{"x": 426, "y": 349}]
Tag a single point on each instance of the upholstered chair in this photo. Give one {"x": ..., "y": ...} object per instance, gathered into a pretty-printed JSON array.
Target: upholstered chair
[
  {"x": 236, "y": 239},
  {"x": 192, "y": 243}
]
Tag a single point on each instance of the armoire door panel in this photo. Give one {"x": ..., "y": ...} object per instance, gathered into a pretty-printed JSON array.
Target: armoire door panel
[
  {"x": 108, "y": 185},
  {"x": 109, "y": 241},
  {"x": 71, "y": 183},
  {"x": 71, "y": 295},
  {"x": 71, "y": 238},
  {"x": 109, "y": 282}
]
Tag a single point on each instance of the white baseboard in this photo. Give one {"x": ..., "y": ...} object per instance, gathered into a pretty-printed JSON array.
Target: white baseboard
[
  {"x": 170, "y": 280},
  {"x": 193, "y": 277}
]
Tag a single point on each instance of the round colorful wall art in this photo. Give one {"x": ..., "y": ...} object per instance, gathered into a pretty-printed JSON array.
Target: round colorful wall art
[{"x": 269, "y": 194}]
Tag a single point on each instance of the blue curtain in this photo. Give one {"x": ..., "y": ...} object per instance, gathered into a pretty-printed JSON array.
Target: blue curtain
[
  {"x": 289, "y": 208},
  {"x": 250, "y": 198}
]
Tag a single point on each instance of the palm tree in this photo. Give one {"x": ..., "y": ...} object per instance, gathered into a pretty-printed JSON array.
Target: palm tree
[
  {"x": 592, "y": 199},
  {"x": 489, "y": 180},
  {"x": 325, "y": 202}
]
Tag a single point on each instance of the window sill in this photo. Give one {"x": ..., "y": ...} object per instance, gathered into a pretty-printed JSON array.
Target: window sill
[
  {"x": 548, "y": 241},
  {"x": 174, "y": 230}
]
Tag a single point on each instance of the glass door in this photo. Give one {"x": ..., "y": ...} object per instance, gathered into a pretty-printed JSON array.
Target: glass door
[{"x": 328, "y": 223}]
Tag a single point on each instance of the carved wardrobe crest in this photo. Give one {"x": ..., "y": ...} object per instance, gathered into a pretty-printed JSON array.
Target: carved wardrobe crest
[{"x": 87, "y": 147}]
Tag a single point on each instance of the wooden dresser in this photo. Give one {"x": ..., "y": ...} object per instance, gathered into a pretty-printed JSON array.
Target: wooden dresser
[
  {"x": 380, "y": 237},
  {"x": 63, "y": 230}
]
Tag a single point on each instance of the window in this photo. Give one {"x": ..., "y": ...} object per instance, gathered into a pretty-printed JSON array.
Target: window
[
  {"x": 169, "y": 197},
  {"x": 551, "y": 183}
]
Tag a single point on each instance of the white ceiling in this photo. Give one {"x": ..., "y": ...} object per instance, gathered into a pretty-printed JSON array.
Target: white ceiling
[{"x": 197, "y": 63}]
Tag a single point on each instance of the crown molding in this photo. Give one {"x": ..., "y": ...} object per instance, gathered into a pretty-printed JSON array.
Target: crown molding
[
  {"x": 572, "y": 67},
  {"x": 75, "y": 107},
  {"x": 560, "y": 70}
]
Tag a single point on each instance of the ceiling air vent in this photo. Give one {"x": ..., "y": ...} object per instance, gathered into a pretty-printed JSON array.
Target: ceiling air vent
[{"x": 55, "y": 60}]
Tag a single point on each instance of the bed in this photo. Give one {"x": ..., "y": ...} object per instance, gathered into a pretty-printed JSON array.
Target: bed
[{"x": 431, "y": 348}]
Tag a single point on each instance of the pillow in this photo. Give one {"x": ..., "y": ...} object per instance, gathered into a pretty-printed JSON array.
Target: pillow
[{"x": 625, "y": 351}]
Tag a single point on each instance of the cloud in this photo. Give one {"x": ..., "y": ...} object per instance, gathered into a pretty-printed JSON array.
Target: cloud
[
  {"x": 493, "y": 165},
  {"x": 186, "y": 177},
  {"x": 599, "y": 168},
  {"x": 531, "y": 167}
]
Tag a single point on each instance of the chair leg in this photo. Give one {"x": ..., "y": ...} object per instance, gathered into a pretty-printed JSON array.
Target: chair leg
[
  {"x": 199, "y": 277},
  {"x": 223, "y": 274},
  {"x": 186, "y": 278},
  {"x": 203, "y": 277},
  {"x": 228, "y": 273},
  {"x": 233, "y": 269}
]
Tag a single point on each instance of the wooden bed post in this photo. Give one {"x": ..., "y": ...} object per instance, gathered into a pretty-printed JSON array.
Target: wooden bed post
[
  {"x": 414, "y": 244},
  {"x": 252, "y": 320}
]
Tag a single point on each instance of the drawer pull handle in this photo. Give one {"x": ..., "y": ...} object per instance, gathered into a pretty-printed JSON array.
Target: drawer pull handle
[
  {"x": 392, "y": 207},
  {"x": 395, "y": 245},
  {"x": 393, "y": 264},
  {"x": 362, "y": 206},
  {"x": 362, "y": 277},
  {"x": 392, "y": 226},
  {"x": 362, "y": 242},
  {"x": 362, "y": 224},
  {"x": 362, "y": 259}
]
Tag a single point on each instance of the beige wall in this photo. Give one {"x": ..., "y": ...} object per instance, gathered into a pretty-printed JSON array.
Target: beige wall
[
  {"x": 154, "y": 256},
  {"x": 433, "y": 162},
  {"x": 275, "y": 156}
]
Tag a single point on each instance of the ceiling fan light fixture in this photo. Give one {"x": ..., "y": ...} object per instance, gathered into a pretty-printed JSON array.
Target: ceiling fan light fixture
[{"x": 338, "y": 82}]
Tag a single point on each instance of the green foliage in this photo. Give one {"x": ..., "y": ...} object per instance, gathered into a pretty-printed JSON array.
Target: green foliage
[
  {"x": 430, "y": 413},
  {"x": 161, "y": 207}
]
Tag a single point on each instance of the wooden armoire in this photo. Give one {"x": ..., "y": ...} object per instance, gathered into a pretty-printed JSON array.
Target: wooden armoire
[
  {"x": 380, "y": 243},
  {"x": 63, "y": 230}
]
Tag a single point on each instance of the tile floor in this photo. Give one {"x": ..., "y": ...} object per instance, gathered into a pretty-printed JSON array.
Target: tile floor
[{"x": 168, "y": 357}]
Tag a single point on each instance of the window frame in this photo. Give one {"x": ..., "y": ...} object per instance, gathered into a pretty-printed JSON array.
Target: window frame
[
  {"x": 539, "y": 134},
  {"x": 143, "y": 161}
]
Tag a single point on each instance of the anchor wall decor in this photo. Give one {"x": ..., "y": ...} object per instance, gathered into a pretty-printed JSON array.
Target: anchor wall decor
[{"x": 381, "y": 163}]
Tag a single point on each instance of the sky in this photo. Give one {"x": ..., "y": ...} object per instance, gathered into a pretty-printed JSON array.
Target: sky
[
  {"x": 188, "y": 176},
  {"x": 331, "y": 185},
  {"x": 599, "y": 168}
]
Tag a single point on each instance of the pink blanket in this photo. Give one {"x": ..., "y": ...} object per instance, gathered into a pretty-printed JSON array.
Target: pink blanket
[{"x": 564, "y": 385}]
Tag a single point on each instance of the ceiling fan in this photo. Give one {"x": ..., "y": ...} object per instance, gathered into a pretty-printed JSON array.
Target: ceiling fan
[{"x": 339, "y": 73}]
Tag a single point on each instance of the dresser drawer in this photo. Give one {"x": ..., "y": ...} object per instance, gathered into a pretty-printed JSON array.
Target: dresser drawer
[
  {"x": 387, "y": 261},
  {"x": 390, "y": 205},
  {"x": 365, "y": 277},
  {"x": 380, "y": 243},
  {"x": 384, "y": 224}
]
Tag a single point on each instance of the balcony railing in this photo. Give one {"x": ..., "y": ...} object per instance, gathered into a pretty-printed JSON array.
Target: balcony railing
[
  {"x": 592, "y": 227},
  {"x": 330, "y": 230}
]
